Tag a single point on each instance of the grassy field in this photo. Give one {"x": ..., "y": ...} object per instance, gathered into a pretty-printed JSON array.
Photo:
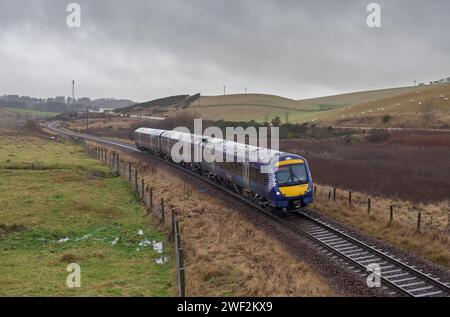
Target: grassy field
[
  {"x": 224, "y": 253},
  {"x": 424, "y": 107},
  {"x": 258, "y": 107},
  {"x": 32, "y": 113},
  {"x": 59, "y": 207}
]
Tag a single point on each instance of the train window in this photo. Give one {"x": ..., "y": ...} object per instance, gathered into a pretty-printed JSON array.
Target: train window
[{"x": 292, "y": 175}]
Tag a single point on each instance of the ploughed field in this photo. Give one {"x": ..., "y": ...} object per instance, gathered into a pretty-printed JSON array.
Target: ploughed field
[{"x": 411, "y": 166}]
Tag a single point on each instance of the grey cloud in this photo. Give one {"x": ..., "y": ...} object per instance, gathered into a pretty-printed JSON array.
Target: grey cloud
[{"x": 146, "y": 49}]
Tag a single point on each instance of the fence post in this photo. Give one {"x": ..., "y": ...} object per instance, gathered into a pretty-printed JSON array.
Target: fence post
[
  {"x": 129, "y": 173},
  {"x": 118, "y": 163},
  {"x": 162, "y": 210},
  {"x": 350, "y": 197},
  {"x": 142, "y": 188},
  {"x": 419, "y": 220},
  {"x": 179, "y": 260},
  {"x": 106, "y": 156},
  {"x": 151, "y": 197},
  {"x": 182, "y": 277},
  {"x": 391, "y": 215},
  {"x": 329, "y": 195},
  {"x": 136, "y": 180},
  {"x": 315, "y": 190},
  {"x": 369, "y": 205},
  {"x": 334, "y": 193}
]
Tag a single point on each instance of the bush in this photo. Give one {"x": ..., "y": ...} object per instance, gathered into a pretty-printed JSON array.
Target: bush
[{"x": 387, "y": 118}]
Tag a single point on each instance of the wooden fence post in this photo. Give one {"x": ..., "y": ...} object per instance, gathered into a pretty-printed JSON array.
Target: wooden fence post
[
  {"x": 106, "y": 156},
  {"x": 182, "y": 277},
  {"x": 118, "y": 163},
  {"x": 350, "y": 197},
  {"x": 151, "y": 197},
  {"x": 419, "y": 220},
  {"x": 315, "y": 190},
  {"x": 179, "y": 261},
  {"x": 329, "y": 195},
  {"x": 129, "y": 173},
  {"x": 391, "y": 215},
  {"x": 369, "y": 205},
  {"x": 136, "y": 181},
  {"x": 162, "y": 210},
  {"x": 334, "y": 193},
  {"x": 142, "y": 188}
]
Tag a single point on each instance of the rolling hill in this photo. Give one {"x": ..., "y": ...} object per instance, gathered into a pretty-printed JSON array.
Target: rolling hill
[
  {"x": 259, "y": 107},
  {"x": 421, "y": 107}
]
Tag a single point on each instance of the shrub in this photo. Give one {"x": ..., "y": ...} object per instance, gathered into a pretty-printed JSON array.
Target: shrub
[{"x": 387, "y": 118}]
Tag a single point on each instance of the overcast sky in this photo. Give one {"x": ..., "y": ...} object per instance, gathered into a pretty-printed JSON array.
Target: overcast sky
[{"x": 144, "y": 49}]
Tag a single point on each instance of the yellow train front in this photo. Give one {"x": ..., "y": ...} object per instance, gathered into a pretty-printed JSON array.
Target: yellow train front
[{"x": 290, "y": 184}]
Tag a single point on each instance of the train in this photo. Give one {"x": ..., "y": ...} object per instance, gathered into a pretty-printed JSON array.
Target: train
[{"x": 285, "y": 185}]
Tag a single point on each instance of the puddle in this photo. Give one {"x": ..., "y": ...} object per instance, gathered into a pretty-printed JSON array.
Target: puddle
[
  {"x": 161, "y": 260},
  {"x": 84, "y": 237},
  {"x": 158, "y": 246},
  {"x": 145, "y": 243},
  {"x": 114, "y": 242},
  {"x": 62, "y": 240}
]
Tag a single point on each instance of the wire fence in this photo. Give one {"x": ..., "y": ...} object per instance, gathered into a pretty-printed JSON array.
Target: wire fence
[
  {"x": 144, "y": 193},
  {"x": 418, "y": 217}
]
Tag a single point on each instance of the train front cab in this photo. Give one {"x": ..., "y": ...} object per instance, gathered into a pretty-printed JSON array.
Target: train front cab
[{"x": 290, "y": 186}]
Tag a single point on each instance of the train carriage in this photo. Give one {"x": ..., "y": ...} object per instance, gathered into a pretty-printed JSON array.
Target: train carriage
[{"x": 286, "y": 183}]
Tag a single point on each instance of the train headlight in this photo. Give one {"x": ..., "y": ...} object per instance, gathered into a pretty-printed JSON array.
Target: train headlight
[{"x": 278, "y": 193}]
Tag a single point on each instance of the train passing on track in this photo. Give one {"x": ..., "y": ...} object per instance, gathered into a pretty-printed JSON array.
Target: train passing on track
[{"x": 285, "y": 184}]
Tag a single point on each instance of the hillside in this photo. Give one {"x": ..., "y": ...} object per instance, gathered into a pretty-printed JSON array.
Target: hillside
[
  {"x": 421, "y": 107},
  {"x": 154, "y": 105},
  {"x": 260, "y": 107}
]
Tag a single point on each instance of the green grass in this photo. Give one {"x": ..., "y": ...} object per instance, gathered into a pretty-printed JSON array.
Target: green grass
[
  {"x": 53, "y": 191},
  {"x": 33, "y": 113}
]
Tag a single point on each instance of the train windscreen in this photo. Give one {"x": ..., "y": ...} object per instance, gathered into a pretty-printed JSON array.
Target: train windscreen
[{"x": 289, "y": 175}]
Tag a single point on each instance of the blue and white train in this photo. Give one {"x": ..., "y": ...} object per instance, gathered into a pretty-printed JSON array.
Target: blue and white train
[{"x": 286, "y": 184}]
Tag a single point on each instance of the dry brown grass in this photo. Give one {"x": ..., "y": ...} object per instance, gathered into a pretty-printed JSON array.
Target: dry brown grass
[
  {"x": 224, "y": 254},
  {"x": 432, "y": 242},
  {"x": 421, "y": 107}
]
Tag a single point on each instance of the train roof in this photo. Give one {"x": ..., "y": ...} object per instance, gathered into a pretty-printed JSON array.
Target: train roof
[
  {"x": 230, "y": 148},
  {"x": 150, "y": 131}
]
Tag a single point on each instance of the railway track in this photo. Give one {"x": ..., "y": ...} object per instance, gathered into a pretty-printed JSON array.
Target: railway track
[{"x": 402, "y": 278}]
